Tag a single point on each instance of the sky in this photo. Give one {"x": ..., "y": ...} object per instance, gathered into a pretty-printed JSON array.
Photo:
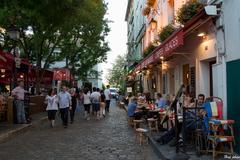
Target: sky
[{"x": 117, "y": 37}]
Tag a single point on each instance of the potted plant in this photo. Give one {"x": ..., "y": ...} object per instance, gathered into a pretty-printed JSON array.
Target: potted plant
[
  {"x": 148, "y": 50},
  {"x": 188, "y": 10},
  {"x": 166, "y": 32}
]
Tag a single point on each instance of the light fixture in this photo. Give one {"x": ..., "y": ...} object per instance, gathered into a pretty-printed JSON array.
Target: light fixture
[
  {"x": 13, "y": 33},
  {"x": 201, "y": 34},
  {"x": 3, "y": 70},
  {"x": 2, "y": 76},
  {"x": 161, "y": 57},
  {"x": 21, "y": 76},
  {"x": 153, "y": 24}
]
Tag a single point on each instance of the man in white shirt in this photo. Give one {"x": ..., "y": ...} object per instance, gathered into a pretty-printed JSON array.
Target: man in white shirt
[
  {"x": 18, "y": 94},
  {"x": 65, "y": 103},
  {"x": 107, "y": 94},
  {"x": 95, "y": 97}
]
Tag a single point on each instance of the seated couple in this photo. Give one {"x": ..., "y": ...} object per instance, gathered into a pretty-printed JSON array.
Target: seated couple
[{"x": 132, "y": 109}]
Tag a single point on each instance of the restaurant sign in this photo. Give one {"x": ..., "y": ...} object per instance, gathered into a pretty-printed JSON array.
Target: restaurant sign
[
  {"x": 169, "y": 46},
  {"x": 165, "y": 49}
]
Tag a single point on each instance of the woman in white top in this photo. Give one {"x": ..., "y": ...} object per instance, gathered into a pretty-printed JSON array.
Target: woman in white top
[
  {"x": 52, "y": 105},
  {"x": 87, "y": 104}
]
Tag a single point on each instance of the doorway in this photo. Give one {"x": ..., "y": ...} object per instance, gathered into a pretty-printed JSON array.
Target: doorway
[
  {"x": 211, "y": 63},
  {"x": 186, "y": 76}
]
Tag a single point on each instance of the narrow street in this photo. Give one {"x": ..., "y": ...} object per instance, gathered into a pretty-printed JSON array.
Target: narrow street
[{"x": 107, "y": 139}]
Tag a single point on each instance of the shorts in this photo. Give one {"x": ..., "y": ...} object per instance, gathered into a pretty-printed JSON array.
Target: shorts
[
  {"x": 95, "y": 107},
  {"x": 51, "y": 114},
  {"x": 87, "y": 107}
]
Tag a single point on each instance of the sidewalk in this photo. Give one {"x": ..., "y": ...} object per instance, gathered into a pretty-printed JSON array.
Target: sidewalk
[
  {"x": 165, "y": 152},
  {"x": 8, "y": 131}
]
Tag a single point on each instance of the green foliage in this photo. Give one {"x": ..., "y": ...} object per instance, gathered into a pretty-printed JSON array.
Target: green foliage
[
  {"x": 166, "y": 32},
  {"x": 116, "y": 75},
  {"x": 148, "y": 50},
  {"x": 76, "y": 27},
  {"x": 188, "y": 10}
]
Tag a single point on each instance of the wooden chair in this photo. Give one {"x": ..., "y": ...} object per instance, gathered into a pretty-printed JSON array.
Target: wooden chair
[
  {"x": 142, "y": 135},
  {"x": 218, "y": 131},
  {"x": 130, "y": 121},
  {"x": 137, "y": 123},
  {"x": 152, "y": 124}
]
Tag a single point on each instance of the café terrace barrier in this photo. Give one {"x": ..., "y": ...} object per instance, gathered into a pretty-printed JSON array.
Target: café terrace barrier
[{"x": 36, "y": 105}]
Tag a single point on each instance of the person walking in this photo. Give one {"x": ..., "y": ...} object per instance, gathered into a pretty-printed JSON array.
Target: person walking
[
  {"x": 52, "y": 106},
  {"x": 74, "y": 104},
  {"x": 107, "y": 94},
  {"x": 18, "y": 94},
  {"x": 65, "y": 103},
  {"x": 95, "y": 97},
  {"x": 87, "y": 104},
  {"x": 102, "y": 104}
]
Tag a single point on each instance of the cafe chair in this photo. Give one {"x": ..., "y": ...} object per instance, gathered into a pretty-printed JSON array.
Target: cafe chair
[
  {"x": 142, "y": 135},
  {"x": 220, "y": 135},
  {"x": 152, "y": 124},
  {"x": 130, "y": 121},
  {"x": 137, "y": 123}
]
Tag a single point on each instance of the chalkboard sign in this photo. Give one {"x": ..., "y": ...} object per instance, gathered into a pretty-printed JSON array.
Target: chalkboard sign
[{"x": 192, "y": 82}]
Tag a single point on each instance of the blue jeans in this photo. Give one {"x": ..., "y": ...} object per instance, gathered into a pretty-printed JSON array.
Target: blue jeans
[{"x": 20, "y": 111}]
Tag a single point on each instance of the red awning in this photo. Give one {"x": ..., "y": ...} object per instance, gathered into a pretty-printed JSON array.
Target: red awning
[
  {"x": 5, "y": 61},
  {"x": 165, "y": 49},
  {"x": 47, "y": 76}
]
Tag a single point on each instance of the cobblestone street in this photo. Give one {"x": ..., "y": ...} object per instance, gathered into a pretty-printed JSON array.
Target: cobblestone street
[{"x": 107, "y": 139}]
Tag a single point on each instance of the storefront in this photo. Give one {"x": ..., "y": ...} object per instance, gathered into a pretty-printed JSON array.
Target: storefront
[
  {"x": 186, "y": 57},
  {"x": 11, "y": 70}
]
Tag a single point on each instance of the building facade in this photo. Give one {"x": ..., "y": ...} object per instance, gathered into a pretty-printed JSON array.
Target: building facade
[{"x": 202, "y": 54}]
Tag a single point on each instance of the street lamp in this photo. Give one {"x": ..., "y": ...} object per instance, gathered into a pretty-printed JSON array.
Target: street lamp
[{"x": 14, "y": 34}]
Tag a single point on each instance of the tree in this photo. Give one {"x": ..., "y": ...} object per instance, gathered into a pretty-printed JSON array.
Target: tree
[
  {"x": 116, "y": 75},
  {"x": 76, "y": 27}
]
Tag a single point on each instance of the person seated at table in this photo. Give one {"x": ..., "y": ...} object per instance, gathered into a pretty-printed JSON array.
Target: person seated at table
[
  {"x": 160, "y": 101},
  {"x": 132, "y": 109},
  {"x": 141, "y": 98}
]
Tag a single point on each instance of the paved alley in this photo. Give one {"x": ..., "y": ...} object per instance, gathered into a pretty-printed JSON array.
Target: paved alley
[{"x": 107, "y": 139}]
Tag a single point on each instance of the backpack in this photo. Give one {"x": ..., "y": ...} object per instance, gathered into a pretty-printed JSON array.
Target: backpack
[{"x": 167, "y": 136}]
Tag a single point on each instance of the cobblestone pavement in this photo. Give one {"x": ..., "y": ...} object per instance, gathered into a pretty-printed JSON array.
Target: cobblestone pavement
[{"x": 107, "y": 139}]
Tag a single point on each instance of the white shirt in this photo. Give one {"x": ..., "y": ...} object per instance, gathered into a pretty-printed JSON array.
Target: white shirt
[
  {"x": 107, "y": 93},
  {"x": 52, "y": 102},
  {"x": 65, "y": 100},
  {"x": 95, "y": 96},
  {"x": 86, "y": 99}
]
